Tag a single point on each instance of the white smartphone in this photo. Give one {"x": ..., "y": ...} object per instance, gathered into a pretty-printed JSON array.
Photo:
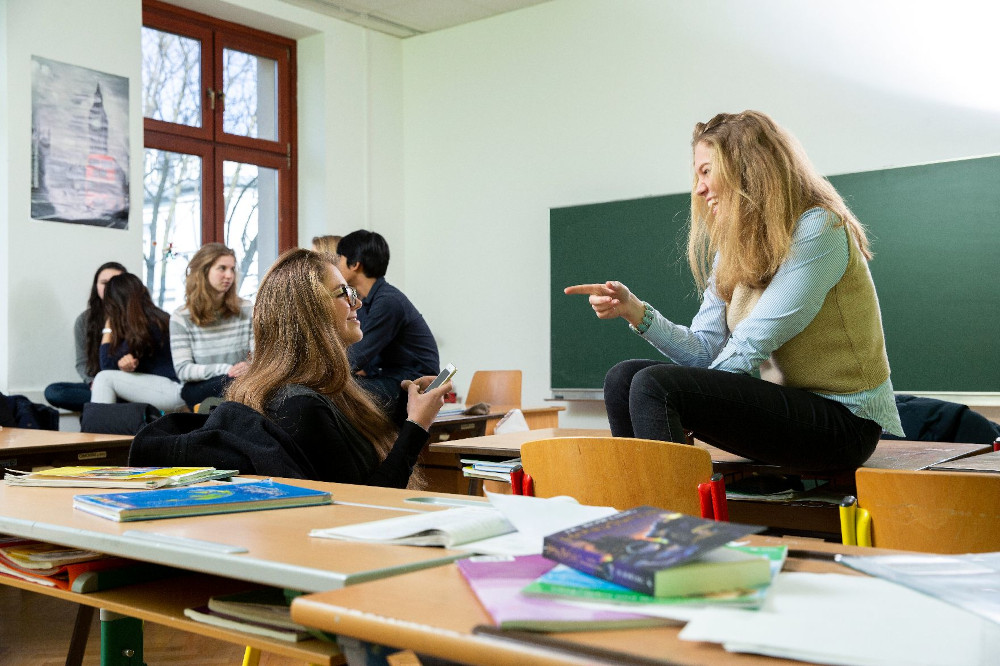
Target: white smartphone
[{"x": 446, "y": 374}]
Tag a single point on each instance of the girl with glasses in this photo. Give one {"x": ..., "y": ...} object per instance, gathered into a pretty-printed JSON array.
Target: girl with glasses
[{"x": 300, "y": 378}]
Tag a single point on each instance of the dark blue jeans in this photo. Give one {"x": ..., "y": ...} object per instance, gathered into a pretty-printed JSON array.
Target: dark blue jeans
[
  {"x": 68, "y": 395},
  {"x": 738, "y": 413},
  {"x": 194, "y": 393}
]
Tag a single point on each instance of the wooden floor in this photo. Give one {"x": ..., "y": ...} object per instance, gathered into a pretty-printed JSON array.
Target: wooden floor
[{"x": 35, "y": 630}]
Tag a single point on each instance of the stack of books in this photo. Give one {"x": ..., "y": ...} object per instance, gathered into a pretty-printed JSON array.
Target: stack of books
[
  {"x": 635, "y": 567},
  {"x": 52, "y": 565},
  {"x": 496, "y": 470},
  {"x": 117, "y": 477},
  {"x": 265, "y": 612}
]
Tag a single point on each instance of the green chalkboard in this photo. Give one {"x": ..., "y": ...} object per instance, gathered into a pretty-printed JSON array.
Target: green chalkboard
[{"x": 935, "y": 230}]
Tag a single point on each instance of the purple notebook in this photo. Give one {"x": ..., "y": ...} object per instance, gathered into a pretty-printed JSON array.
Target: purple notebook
[{"x": 498, "y": 580}]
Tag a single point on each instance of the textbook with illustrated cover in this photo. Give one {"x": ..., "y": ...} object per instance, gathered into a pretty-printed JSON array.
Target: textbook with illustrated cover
[
  {"x": 638, "y": 548},
  {"x": 199, "y": 500}
]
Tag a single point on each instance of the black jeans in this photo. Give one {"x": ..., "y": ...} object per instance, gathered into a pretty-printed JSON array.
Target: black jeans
[{"x": 738, "y": 413}]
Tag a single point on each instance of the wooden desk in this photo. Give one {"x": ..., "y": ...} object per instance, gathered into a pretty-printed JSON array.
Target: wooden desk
[
  {"x": 442, "y": 468},
  {"x": 26, "y": 448},
  {"x": 400, "y": 613},
  {"x": 279, "y": 553},
  {"x": 816, "y": 517}
]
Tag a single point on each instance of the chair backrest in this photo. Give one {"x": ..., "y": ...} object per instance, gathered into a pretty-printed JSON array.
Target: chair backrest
[
  {"x": 500, "y": 388},
  {"x": 618, "y": 471},
  {"x": 932, "y": 512}
]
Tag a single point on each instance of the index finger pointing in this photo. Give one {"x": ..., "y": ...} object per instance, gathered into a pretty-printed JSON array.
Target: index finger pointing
[{"x": 588, "y": 290}]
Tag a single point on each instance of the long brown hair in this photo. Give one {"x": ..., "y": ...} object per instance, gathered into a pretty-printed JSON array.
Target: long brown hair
[
  {"x": 198, "y": 292},
  {"x": 94, "y": 319},
  {"x": 133, "y": 316},
  {"x": 297, "y": 341},
  {"x": 764, "y": 183}
]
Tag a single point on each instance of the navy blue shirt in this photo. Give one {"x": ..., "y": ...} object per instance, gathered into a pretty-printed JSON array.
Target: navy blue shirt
[
  {"x": 397, "y": 342},
  {"x": 160, "y": 363}
]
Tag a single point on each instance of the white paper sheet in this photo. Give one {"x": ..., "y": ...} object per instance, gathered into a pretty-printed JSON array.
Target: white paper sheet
[
  {"x": 841, "y": 619},
  {"x": 534, "y": 518}
]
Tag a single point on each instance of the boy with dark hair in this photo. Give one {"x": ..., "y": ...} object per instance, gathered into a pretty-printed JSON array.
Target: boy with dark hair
[{"x": 397, "y": 342}]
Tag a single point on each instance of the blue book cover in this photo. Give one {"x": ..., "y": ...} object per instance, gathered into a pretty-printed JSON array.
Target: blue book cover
[{"x": 199, "y": 500}]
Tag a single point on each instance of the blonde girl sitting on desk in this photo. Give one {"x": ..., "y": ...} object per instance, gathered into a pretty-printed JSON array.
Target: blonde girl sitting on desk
[{"x": 785, "y": 360}]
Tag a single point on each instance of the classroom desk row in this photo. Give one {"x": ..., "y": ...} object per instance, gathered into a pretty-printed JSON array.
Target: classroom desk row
[
  {"x": 810, "y": 517},
  {"x": 405, "y": 597}
]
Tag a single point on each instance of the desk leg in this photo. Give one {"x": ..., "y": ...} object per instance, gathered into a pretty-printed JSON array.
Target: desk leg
[
  {"x": 121, "y": 640},
  {"x": 81, "y": 632}
]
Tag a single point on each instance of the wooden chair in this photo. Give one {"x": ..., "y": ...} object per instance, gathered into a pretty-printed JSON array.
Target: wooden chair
[
  {"x": 932, "y": 512},
  {"x": 618, "y": 471},
  {"x": 500, "y": 388}
]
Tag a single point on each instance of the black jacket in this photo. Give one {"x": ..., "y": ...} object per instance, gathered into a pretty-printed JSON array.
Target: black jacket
[
  {"x": 931, "y": 420},
  {"x": 233, "y": 436}
]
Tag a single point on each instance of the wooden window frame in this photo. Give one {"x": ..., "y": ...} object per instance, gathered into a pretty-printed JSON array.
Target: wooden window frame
[{"x": 209, "y": 141}]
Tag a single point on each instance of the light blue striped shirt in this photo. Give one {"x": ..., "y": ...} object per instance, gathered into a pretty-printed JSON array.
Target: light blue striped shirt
[{"x": 816, "y": 262}]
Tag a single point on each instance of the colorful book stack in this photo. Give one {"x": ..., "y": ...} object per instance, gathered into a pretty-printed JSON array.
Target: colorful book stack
[
  {"x": 496, "y": 470},
  {"x": 613, "y": 572},
  {"x": 117, "y": 477},
  {"x": 67, "y": 568}
]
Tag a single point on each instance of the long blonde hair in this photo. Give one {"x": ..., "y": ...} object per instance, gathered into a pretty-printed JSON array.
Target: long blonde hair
[
  {"x": 198, "y": 291},
  {"x": 764, "y": 183},
  {"x": 297, "y": 341}
]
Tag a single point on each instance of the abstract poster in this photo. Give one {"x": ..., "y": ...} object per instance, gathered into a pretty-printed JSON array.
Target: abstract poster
[{"x": 79, "y": 145}]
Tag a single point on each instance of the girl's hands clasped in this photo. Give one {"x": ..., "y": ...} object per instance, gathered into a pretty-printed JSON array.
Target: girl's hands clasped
[
  {"x": 422, "y": 408},
  {"x": 611, "y": 299}
]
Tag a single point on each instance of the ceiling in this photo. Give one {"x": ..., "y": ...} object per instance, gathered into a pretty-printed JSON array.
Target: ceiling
[{"x": 407, "y": 18}]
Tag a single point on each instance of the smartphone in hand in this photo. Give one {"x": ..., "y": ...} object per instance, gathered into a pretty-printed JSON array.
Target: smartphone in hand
[{"x": 446, "y": 374}]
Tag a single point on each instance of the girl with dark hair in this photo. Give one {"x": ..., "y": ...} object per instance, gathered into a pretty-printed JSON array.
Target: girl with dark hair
[
  {"x": 211, "y": 334},
  {"x": 87, "y": 338},
  {"x": 136, "y": 365}
]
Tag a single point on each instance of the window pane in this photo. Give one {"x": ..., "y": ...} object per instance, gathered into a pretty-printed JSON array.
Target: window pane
[
  {"x": 250, "y": 84},
  {"x": 251, "y": 220},
  {"x": 171, "y": 77},
  {"x": 171, "y": 223}
]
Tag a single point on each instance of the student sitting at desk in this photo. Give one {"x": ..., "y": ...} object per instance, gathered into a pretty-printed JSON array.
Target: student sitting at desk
[
  {"x": 300, "y": 378},
  {"x": 786, "y": 295},
  {"x": 298, "y": 411}
]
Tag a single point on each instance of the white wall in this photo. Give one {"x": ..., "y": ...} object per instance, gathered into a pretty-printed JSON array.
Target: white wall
[
  {"x": 4, "y": 197},
  {"x": 50, "y": 265},
  {"x": 350, "y": 157},
  {"x": 578, "y": 101}
]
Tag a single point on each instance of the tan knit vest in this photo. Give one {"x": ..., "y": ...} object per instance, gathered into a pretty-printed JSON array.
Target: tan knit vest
[{"x": 842, "y": 350}]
